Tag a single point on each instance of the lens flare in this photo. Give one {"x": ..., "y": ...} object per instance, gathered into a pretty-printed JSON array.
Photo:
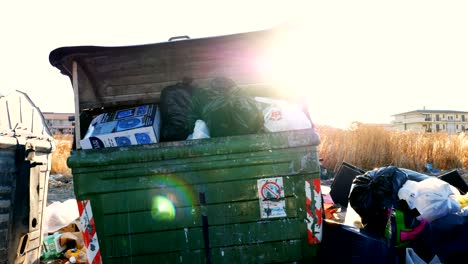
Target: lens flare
[{"x": 163, "y": 209}]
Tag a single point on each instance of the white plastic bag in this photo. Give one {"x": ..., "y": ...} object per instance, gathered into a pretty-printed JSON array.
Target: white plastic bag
[
  {"x": 282, "y": 116},
  {"x": 432, "y": 197},
  {"x": 413, "y": 258},
  {"x": 199, "y": 131},
  {"x": 58, "y": 215}
]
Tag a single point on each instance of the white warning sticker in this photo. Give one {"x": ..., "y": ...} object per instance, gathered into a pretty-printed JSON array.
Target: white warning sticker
[{"x": 271, "y": 197}]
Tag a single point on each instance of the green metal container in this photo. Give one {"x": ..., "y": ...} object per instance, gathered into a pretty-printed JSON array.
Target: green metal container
[
  {"x": 147, "y": 208},
  {"x": 238, "y": 199}
]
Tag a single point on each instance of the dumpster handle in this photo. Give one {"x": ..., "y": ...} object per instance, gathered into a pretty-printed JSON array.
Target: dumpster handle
[
  {"x": 178, "y": 38},
  {"x": 206, "y": 237}
]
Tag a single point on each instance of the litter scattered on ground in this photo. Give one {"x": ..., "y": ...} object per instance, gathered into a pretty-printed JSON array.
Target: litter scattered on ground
[
  {"x": 63, "y": 237},
  {"x": 397, "y": 213}
]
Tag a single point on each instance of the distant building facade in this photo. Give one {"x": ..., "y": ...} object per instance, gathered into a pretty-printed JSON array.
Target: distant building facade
[
  {"x": 59, "y": 123},
  {"x": 449, "y": 121}
]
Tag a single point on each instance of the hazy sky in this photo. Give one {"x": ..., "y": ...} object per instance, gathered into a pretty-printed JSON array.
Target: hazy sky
[{"x": 365, "y": 60}]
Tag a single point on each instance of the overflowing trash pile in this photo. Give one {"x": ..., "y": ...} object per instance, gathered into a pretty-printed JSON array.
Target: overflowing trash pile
[
  {"x": 63, "y": 234},
  {"x": 186, "y": 112},
  {"x": 398, "y": 214}
]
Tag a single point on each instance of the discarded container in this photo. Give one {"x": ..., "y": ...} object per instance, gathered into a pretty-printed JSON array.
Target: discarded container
[
  {"x": 341, "y": 185},
  {"x": 237, "y": 199},
  {"x": 345, "y": 244},
  {"x": 455, "y": 179},
  {"x": 26, "y": 145}
]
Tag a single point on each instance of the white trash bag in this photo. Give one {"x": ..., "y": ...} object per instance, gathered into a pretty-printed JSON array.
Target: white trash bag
[
  {"x": 432, "y": 197},
  {"x": 199, "y": 131},
  {"x": 280, "y": 115},
  {"x": 58, "y": 215}
]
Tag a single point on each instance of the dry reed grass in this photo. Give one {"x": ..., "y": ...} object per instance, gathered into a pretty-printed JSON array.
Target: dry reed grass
[
  {"x": 61, "y": 153},
  {"x": 370, "y": 147}
]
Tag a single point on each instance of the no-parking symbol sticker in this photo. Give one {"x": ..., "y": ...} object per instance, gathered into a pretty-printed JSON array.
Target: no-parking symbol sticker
[{"x": 271, "y": 197}]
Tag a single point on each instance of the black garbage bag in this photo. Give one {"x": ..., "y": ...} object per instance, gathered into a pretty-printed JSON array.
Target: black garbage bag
[
  {"x": 446, "y": 238},
  {"x": 175, "y": 108},
  {"x": 374, "y": 195}
]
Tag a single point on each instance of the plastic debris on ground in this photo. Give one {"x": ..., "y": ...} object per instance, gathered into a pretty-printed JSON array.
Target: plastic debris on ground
[
  {"x": 63, "y": 239},
  {"x": 406, "y": 211}
]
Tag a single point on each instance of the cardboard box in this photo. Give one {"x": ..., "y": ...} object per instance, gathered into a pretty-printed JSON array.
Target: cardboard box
[
  {"x": 51, "y": 244},
  {"x": 131, "y": 126}
]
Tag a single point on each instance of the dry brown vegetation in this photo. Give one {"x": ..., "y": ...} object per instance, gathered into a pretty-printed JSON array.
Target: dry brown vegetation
[
  {"x": 60, "y": 155},
  {"x": 370, "y": 147},
  {"x": 364, "y": 146}
]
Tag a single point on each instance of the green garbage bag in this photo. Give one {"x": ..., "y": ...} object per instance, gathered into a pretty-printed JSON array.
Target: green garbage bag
[{"x": 226, "y": 111}]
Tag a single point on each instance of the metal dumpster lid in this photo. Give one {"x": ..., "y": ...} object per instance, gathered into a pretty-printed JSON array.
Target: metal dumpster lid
[{"x": 129, "y": 75}]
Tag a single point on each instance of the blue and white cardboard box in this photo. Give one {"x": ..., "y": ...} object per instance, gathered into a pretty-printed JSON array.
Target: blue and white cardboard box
[{"x": 131, "y": 126}]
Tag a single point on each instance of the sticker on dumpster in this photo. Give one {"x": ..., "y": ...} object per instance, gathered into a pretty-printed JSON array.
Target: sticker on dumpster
[{"x": 271, "y": 197}]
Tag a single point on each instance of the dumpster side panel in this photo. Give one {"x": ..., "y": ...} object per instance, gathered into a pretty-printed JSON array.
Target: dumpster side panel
[
  {"x": 205, "y": 199},
  {"x": 23, "y": 197},
  {"x": 25, "y": 152},
  {"x": 7, "y": 189}
]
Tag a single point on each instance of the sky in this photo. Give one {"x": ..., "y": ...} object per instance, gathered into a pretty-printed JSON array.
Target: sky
[{"x": 359, "y": 61}]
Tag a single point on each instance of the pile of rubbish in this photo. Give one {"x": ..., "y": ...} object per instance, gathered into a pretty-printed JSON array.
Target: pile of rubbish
[
  {"x": 398, "y": 214},
  {"x": 63, "y": 234},
  {"x": 186, "y": 112}
]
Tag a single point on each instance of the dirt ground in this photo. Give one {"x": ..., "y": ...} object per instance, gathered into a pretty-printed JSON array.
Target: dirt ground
[{"x": 60, "y": 188}]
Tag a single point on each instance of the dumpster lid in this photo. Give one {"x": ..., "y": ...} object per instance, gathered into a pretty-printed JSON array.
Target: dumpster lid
[
  {"x": 20, "y": 117},
  {"x": 132, "y": 75}
]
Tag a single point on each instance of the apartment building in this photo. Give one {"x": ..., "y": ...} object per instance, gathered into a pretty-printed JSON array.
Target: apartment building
[
  {"x": 59, "y": 123},
  {"x": 452, "y": 122}
]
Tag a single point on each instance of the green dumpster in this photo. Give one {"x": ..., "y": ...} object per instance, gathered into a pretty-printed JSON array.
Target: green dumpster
[{"x": 237, "y": 199}]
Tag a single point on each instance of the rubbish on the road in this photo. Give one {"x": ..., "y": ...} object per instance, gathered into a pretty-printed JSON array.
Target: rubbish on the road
[
  {"x": 374, "y": 194},
  {"x": 64, "y": 245},
  {"x": 60, "y": 214},
  {"x": 428, "y": 216},
  {"x": 72, "y": 240},
  {"x": 455, "y": 179},
  {"x": 76, "y": 255},
  {"x": 411, "y": 257},
  {"x": 444, "y": 237},
  {"x": 405, "y": 231},
  {"x": 52, "y": 249},
  {"x": 463, "y": 200},
  {"x": 342, "y": 183},
  {"x": 433, "y": 198},
  {"x": 429, "y": 167},
  {"x": 352, "y": 218}
]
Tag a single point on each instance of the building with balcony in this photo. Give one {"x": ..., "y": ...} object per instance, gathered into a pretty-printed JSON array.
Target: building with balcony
[
  {"x": 452, "y": 122},
  {"x": 59, "y": 123}
]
